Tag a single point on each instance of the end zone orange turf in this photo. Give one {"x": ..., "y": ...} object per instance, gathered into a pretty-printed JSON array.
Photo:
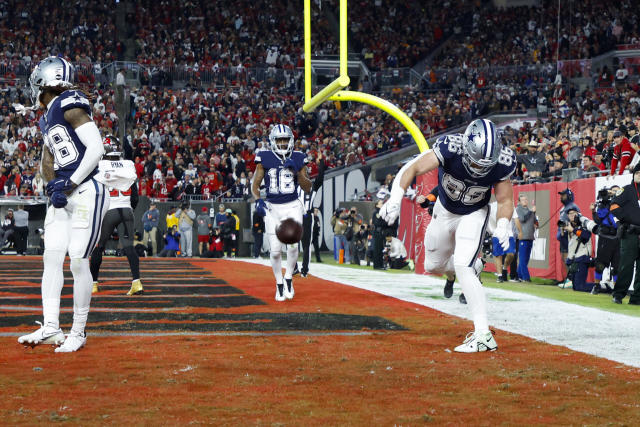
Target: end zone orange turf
[{"x": 207, "y": 343}]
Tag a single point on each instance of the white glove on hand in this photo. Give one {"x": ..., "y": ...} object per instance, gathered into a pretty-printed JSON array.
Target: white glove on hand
[
  {"x": 503, "y": 232},
  {"x": 20, "y": 109},
  {"x": 391, "y": 209}
]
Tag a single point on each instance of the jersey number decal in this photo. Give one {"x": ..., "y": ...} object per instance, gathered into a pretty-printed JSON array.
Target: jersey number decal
[
  {"x": 281, "y": 181},
  {"x": 458, "y": 190},
  {"x": 64, "y": 150}
]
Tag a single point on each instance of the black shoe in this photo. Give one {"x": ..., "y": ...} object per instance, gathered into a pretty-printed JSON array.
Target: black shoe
[
  {"x": 634, "y": 302},
  {"x": 616, "y": 299},
  {"x": 448, "y": 288},
  {"x": 499, "y": 279},
  {"x": 595, "y": 290},
  {"x": 296, "y": 271},
  {"x": 462, "y": 299}
]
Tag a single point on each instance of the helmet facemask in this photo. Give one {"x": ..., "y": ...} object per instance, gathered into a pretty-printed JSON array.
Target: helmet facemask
[{"x": 281, "y": 141}]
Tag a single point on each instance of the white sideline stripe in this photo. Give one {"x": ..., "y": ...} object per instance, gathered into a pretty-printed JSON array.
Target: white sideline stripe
[
  {"x": 588, "y": 330},
  {"x": 223, "y": 334}
]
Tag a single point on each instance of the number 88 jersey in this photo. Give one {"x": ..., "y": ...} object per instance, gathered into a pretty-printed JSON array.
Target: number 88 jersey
[
  {"x": 60, "y": 137},
  {"x": 458, "y": 191},
  {"x": 281, "y": 182}
]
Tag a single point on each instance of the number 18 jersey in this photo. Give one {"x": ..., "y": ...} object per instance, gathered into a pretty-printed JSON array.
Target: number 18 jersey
[
  {"x": 281, "y": 182},
  {"x": 60, "y": 137},
  {"x": 460, "y": 192}
]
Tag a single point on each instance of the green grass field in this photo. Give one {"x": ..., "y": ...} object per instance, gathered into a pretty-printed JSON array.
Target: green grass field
[{"x": 539, "y": 287}]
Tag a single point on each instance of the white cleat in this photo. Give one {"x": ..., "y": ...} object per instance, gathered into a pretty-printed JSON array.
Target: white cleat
[
  {"x": 280, "y": 292},
  {"x": 475, "y": 344},
  {"x": 289, "y": 292},
  {"x": 74, "y": 342},
  {"x": 44, "y": 335}
]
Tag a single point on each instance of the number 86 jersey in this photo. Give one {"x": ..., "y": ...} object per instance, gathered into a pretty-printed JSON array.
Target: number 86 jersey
[
  {"x": 60, "y": 137},
  {"x": 281, "y": 182},
  {"x": 460, "y": 192}
]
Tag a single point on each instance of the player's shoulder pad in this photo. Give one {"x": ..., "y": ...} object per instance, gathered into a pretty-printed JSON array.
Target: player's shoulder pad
[
  {"x": 448, "y": 146},
  {"x": 507, "y": 163},
  {"x": 260, "y": 155},
  {"x": 70, "y": 99},
  {"x": 299, "y": 157}
]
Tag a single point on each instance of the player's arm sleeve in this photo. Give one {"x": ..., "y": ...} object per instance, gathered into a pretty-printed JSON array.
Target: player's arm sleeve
[
  {"x": 134, "y": 195},
  {"x": 440, "y": 149},
  {"x": 89, "y": 135}
]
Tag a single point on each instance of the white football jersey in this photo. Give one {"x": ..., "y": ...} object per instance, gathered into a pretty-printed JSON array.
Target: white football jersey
[{"x": 118, "y": 174}]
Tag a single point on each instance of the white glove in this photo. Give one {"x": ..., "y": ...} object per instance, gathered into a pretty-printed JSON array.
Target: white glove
[
  {"x": 20, "y": 109},
  {"x": 503, "y": 233},
  {"x": 391, "y": 209}
]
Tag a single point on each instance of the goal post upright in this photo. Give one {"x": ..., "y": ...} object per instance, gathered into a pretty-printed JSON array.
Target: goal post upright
[{"x": 334, "y": 91}]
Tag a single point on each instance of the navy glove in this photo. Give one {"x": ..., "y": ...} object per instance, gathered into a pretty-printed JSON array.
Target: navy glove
[
  {"x": 59, "y": 184},
  {"x": 261, "y": 207},
  {"x": 291, "y": 164},
  {"x": 58, "y": 199}
]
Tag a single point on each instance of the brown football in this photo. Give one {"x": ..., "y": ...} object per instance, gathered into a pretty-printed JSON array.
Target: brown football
[{"x": 289, "y": 231}]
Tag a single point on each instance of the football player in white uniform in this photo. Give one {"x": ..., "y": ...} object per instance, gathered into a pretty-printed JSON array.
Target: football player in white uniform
[
  {"x": 469, "y": 166},
  {"x": 70, "y": 155},
  {"x": 119, "y": 175},
  {"x": 283, "y": 170}
]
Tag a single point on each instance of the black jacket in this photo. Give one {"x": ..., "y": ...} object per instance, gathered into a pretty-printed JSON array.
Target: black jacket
[{"x": 624, "y": 205}]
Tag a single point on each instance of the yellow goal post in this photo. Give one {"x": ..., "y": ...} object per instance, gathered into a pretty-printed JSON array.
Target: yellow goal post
[{"x": 335, "y": 90}]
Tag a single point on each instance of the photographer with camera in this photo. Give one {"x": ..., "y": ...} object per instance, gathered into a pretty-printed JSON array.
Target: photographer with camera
[
  {"x": 566, "y": 198},
  {"x": 171, "y": 243},
  {"x": 579, "y": 255},
  {"x": 608, "y": 249},
  {"x": 340, "y": 224},
  {"x": 359, "y": 244},
  {"x": 354, "y": 221},
  {"x": 625, "y": 206}
]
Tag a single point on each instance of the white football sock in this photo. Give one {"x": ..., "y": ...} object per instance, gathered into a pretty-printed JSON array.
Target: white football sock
[
  {"x": 82, "y": 286},
  {"x": 292, "y": 259},
  {"x": 52, "y": 282},
  {"x": 474, "y": 292}
]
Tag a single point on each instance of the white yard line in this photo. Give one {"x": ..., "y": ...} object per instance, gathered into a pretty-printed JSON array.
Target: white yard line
[{"x": 589, "y": 330}]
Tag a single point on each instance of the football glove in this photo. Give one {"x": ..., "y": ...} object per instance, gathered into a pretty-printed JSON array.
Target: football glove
[
  {"x": 58, "y": 199},
  {"x": 291, "y": 164},
  {"x": 261, "y": 207},
  {"x": 390, "y": 211},
  {"x": 503, "y": 233},
  {"x": 59, "y": 185}
]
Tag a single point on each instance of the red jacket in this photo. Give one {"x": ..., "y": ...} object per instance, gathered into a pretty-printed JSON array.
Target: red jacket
[{"x": 622, "y": 153}]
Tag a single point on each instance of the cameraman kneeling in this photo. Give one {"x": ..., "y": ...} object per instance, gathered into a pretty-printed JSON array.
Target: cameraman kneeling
[
  {"x": 579, "y": 255},
  {"x": 397, "y": 254}
]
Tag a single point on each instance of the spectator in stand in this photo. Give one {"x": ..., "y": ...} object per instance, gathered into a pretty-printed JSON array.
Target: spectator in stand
[
  {"x": 204, "y": 229},
  {"x": 622, "y": 153},
  {"x": 150, "y": 220},
  {"x": 186, "y": 217},
  {"x": 534, "y": 160},
  {"x": 21, "y": 230}
]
